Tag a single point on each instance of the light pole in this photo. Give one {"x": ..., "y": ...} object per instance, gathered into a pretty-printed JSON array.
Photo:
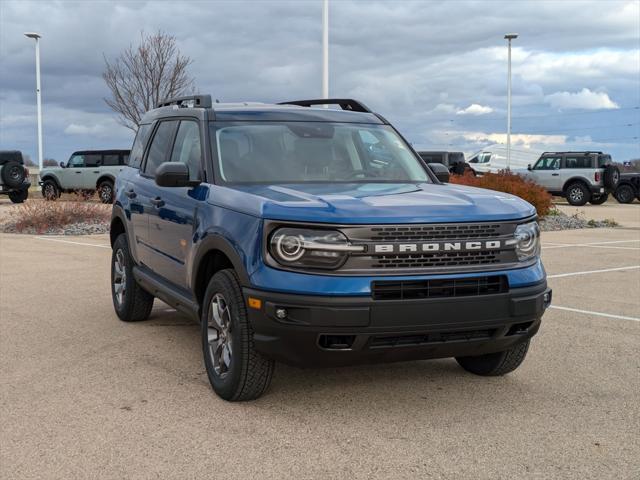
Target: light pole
[
  {"x": 36, "y": 37},
  {"x": 325, "y": 49},
  {"x": 509, "y": 37}
]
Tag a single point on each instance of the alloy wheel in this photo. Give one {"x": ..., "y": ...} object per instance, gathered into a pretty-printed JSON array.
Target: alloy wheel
[
  {"x": 119, "y": 277},
  {"x": 105, "y": 194},
  {"x": 576, "y": 194},
  {"x": 219, "y": 335}
]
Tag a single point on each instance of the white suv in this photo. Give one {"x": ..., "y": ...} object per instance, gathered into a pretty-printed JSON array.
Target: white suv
[
  {"x": 580, "y": 177},
  {"x": 86, "y": 171}
]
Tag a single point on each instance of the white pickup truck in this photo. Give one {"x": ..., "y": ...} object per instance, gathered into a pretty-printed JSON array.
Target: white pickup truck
[{"x": 86, "y": 171}]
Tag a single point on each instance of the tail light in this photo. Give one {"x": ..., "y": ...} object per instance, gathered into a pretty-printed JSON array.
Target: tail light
[{"x": 597, "y": 177}]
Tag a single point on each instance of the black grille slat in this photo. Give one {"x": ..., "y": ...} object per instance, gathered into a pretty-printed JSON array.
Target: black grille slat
[
  {"x": 440, "y": 259},
  {"x": 427, "y": 339},
  {"x": 439, "y": 288},
  {"x": 435, "y": 232}
]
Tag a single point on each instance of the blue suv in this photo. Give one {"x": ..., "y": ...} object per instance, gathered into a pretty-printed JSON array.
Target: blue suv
[{"x": 318, "y": 237}]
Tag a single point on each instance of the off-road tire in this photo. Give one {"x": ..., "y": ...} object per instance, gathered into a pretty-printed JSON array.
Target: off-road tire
[
  {"x": 495, "y": 364},
  {"x": 105, "y": 191},
  {"x": 249, "y": 373},
  {"x": 137, "y": 302},
  {"x": 611, "y": 177},
  {"x": 624, "y": 194},
  {"x": 599, "y": 199},
  {"x": 19, "y": 196},
  {"x": 50, "y": 190},
  {"x": 12, "y": 174},
  {"x": 577, "y": 194}
]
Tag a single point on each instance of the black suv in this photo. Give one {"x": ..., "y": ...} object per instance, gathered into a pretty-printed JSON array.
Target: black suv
[
  {"x": 454, "y": 161},
  {"x": 14, "y": 176}
]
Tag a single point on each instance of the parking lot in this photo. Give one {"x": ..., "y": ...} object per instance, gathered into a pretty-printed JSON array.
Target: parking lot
[{"x": 87, "y": 396}]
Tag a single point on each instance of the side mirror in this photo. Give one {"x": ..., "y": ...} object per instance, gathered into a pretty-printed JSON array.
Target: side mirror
[
  {"x": 174, "y": 174},
  {"x": 62, "y": 165},
  {"x": 440, "y": 171},
  {"x": 529, "y": 167}
]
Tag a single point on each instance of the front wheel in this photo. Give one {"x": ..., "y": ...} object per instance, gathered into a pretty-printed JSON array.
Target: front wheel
[
  {"x": 50, "y": 190},
  {"x": 495, "y": 364},
  {"x": 18, "y": 196},
  {"x": 578, "y": 194},
  {"x": 599, "y": 199},
  {"x": 131, "y": 302},
  {"x": 236, "y": 371}
]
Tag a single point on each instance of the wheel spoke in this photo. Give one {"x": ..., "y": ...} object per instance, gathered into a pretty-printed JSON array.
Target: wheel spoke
[{"x": 218, "y": 335}]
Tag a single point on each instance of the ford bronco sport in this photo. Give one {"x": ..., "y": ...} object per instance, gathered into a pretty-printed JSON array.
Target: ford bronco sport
[
  {"x": 89, "y": 171},
  {"x": 580, "y": 177},
  {"x": 284, "y": 232}
]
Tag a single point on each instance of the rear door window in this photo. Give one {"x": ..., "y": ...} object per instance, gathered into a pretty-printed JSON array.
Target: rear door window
[
  {"x": 582, "y": 161},
  {"x": 92, "y": 160},
  {"x": 160, "y": 146},
  {"x": 111, "y": 160},
  {"x": 137, "y": 151}
]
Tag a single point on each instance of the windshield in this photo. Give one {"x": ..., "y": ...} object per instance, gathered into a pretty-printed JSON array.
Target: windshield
[{"x": 299, "y": 152}]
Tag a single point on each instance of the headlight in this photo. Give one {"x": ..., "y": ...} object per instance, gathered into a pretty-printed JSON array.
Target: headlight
[
  {"x": 527, "y": 240},
  {"x": 302, "y": 247}
]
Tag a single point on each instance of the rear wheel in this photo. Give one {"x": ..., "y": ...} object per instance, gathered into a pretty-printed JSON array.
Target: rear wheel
[
  {"x": 237, "y": 372},
  {"x": 577, "y": 194},
  {"x": 105, "y": 191},
  {"x": 624, "y": 194},
  {"x": 131, "y": 302},
  {"x": 18, "y": 196},
  {"x": 495, "y": 364},
  {"x": 599, "y": 199},
  {"x": 50, "y": 190}
]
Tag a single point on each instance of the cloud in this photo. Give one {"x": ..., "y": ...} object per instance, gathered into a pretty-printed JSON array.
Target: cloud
[
  {"x": 75, "y": 129},
  {"x": 475, "y": 109},
  {"x": 584, "y": 99}
]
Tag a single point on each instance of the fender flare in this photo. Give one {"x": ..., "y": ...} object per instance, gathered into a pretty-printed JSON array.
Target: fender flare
[
  {"x": 573, "y": 180},
  {"x": 105, "y": 176},
  {"x": 214, "y": 241},
  {"x": 53, "y": 178}
]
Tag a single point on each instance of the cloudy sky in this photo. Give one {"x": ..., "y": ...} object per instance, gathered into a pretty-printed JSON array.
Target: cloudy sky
[{"x": 437, "y": 70}]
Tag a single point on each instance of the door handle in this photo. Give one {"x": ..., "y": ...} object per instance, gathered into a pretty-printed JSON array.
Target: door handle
[
  {"x": 96, "y": 171},
  {"x": 157, "y": 202},
  {"x": 78, "y": 171},
  {"x": 555, "y": 174},
  {"x": 130, "y": 193}
]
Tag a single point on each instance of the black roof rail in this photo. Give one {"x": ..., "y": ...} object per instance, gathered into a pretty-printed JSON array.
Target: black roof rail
[
  {"x": 189, "y": 101},
  {"x": 345, "y": 103},
  {"x": 574, "y": 151}
]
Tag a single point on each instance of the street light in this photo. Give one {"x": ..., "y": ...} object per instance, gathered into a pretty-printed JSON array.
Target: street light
[
  {"x": 36, "y": 37},
  {"x": 509, "y": 37},
  {"x": 325, "y": 49}
]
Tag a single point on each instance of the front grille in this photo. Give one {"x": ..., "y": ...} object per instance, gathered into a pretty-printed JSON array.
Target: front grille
[
  {"x": 420, "y": 233},
  {"x": 430, "y": 338},
  {"x": 439, "y": 288},
  {"x": 444, "y": 259}
]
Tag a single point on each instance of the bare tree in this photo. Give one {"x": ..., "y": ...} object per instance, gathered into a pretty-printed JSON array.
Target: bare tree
[{"x": 142, "y": 76}]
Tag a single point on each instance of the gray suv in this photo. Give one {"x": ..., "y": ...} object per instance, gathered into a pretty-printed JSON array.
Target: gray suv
[
  {"x": 86, "y": 171},
  {"x": 580, "y": 177}
]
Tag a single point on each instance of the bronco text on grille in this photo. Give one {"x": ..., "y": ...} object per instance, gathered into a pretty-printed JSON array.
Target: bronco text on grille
[{"x": 437, "y": 247}]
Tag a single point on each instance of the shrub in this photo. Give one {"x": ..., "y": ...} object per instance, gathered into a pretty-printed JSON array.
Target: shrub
[
  {"x": 508, "y": 182},
  {"x": 43, "y": 216}
]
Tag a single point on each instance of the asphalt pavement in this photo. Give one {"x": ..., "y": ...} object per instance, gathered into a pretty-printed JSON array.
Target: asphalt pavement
[{"x": 84, "y": 395}]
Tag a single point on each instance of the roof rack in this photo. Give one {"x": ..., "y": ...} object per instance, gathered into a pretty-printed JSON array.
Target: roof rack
[
  {"x": 576, "y": 151},
  {"x": 345, "y": 104},
  {"x": 190, "y": 101}
]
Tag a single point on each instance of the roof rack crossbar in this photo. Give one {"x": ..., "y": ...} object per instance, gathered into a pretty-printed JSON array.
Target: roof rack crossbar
[
  {"x": 574, "y": 151},
  {"x": 345, "y": 103},
  {"x": 193, "y": 101}
]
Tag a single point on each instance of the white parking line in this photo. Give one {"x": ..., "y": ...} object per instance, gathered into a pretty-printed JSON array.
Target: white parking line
[
  {"x": 587, "y": 272},
  {"x": 590, "y": 244},
  {"x": 72, "y": 242},
  {"x": 598, "y": 314}
]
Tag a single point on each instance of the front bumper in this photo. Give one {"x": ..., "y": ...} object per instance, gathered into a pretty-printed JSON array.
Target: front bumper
[{"x": 333, "y": 331}]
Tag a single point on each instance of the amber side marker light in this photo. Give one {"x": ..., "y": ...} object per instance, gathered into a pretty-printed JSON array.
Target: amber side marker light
[{"x": 255, "y": 303}]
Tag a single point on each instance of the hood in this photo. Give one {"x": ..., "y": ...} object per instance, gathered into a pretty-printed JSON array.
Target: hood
[{"x": 362, "y": 203}]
